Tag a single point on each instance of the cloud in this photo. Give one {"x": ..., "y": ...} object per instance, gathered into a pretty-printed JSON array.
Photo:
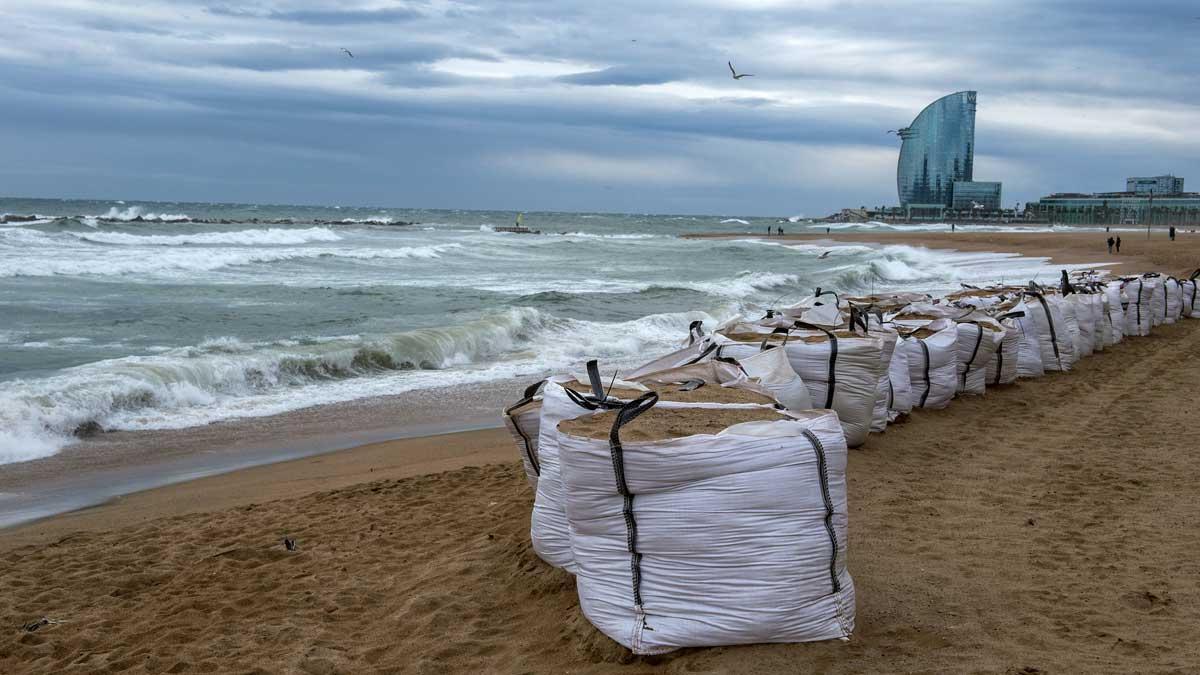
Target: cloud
[{"x": 480, "y": 103}]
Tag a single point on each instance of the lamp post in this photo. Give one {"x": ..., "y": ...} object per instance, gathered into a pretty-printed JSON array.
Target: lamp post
[{"x": 1150, "y": 217}]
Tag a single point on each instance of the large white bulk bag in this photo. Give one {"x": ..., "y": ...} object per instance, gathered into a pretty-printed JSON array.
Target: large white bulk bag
[
  {"x": 840, "y": 368},
  {"x": 733, "y": 535},
  {"x": 932, "y": 355},
  {"x": 1083, "y": 307},
  {"x": 900, "y": 398},
  {"x": 1158, "y": 299},
  {"x": 1138, "y": 310},
  {"x": 523, "y": 421},
  {"x": 1173, "y": 306},
  {"x": 549, "y": 529},
  {"x": 1004, "y": 366},
  {"x": 883, "y": 391},
  {"x": 1116, "y": 310},
  {"x": 1072, "y": 348},
  {"x": 1054, "y": 338},
  {"x": 1029, "y": 351},
  {"x": 977, "y": 343},
  {"x": 1190, "y": 306}
]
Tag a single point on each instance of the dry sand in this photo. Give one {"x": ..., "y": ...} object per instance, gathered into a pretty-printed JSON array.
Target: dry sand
[{"x": 1047, "y": 527}]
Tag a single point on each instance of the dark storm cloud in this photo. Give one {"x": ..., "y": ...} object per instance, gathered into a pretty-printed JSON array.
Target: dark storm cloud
[{"x": 480, "y": 104}]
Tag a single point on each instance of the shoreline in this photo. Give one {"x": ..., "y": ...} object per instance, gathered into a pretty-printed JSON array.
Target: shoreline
[{"x": 1138, "y": 254}]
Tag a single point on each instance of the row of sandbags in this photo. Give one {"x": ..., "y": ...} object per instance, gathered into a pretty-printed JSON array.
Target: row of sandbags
[{"x": 739, "y": 440}]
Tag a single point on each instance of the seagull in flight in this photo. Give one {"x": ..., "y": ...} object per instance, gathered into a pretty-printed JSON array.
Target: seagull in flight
[
  {"x": 347, "y": 52},
  {"x": 824, "y": 255},
  {"x": 736, "y": 76}
]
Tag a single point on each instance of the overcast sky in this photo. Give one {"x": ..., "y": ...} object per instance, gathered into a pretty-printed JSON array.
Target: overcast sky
[{"x": 582, "y": 105}]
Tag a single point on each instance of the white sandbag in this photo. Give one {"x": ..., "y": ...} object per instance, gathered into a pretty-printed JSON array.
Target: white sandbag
[
  {"x": 725, "y": 538},
  {"x": 1072, "y": 349},
  {"x": 841, "y": 369},
  {"x": 1158, "y": 299},
  {"x": 900, "y": 397},
  {"x": 523, "y": 421},
  {"x": 1080, "y": 309},
  {"x": 1056, "y": 343},
  {"x": 1004, "y": 366},
  {"x": 883, "y": 391},
  {"x": 771, "y": 368},
  {"x": 1191, "y": 304},
  {"x": 932, "y": 355},
  {"x": 549, "y": 530},
  {"x": 1116, "y": 310},
  {"x": 978, "y": 340},
  {"x": 1138, "y": 310},
  {"x": 1173, "y": 305},
  {"x": 1029, "y": 351}
]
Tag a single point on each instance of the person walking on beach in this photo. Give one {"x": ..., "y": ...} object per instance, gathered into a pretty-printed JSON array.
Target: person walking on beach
[
  {"x": 768, "y": 230},
  {"x": 1118, "y": 246},
  {"x": 780, "y": 228},
  {"x": 1111, "y": 241},
  {"x": 1171, "y": 233}
]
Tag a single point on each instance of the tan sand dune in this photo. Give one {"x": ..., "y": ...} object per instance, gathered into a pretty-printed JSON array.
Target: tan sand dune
[{"x": 1046, "y": 527}]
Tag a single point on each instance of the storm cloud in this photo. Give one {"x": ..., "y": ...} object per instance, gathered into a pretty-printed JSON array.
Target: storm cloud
[{"x": 576, "y": 105}]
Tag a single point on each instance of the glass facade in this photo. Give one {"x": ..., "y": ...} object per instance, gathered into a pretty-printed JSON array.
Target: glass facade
[
  {"x": 1116, "y": 208},
  {"x": 938, "y": 150},
  {"x": 1159, "y": 185},
  {"x": 976, "y": 195}
]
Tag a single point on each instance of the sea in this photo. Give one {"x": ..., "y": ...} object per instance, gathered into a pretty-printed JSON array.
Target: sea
[{"x": 134, "y": 315}]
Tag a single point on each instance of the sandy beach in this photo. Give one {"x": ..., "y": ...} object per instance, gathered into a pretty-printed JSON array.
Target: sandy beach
[{"x": 1047, "y": 527}]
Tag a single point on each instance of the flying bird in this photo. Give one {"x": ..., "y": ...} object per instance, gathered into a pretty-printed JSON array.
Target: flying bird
[
  {"x": 347, "y": 52},
  {"x": 736, "y": 76},
  {"x": 824, "y": 255}
]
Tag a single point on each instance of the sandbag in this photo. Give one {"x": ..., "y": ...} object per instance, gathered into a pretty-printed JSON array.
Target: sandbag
[
  {"x": 730, "y": 536},
  {"x": 1138, "y": 310},
  {"x": 840, "y": 368},
  {"x": 932, "y": 355},
  {"x": 1081, "y": 309},
  {"x": 549, "y": 530},
  {"x": 1173, "y": 305},
  {"x": 523, "y": 421},
  {"x": 1158, "y": 299},
  {"x": 1116, "y": 310},
  {"x": 900, "y": 397},
  {"x": 1189, "y": 307},
  {"x": 977, "y": 341},
  {"x": 1004, "y": 366},
  {"x": 883, "y": 390},
  {"x": 1056, "y": 344}
]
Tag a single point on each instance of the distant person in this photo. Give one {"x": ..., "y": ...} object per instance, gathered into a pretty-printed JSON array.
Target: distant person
[
  {"x": 951, "y": 227},
  {"x": 1107, "y": 230},
  {"x": 1118, "y": 246},
  {"x": 827, "y": 230},
  {"x": 768, "y": 230},
  {"x": 1171, "y": 233},
  {"x": 780, "y": 228},
  {"x": 1111, "y": 241}
]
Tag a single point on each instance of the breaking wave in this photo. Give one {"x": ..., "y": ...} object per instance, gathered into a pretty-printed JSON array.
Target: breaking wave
[
  {"x": 227, "y": 378},
  {"x": 267, "y": 237}
]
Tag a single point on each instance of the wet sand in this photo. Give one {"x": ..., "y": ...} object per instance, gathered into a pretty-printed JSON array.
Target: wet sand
[
  {"x": 1047, "y": 527},
  {"x": 1138, "y": 254}
]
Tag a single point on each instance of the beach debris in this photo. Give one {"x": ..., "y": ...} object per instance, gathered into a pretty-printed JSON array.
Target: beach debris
[
  {"x": 289, "y": 544},
  {"x": 34, "y": 625},
  {"x": 88, "y": 429}
]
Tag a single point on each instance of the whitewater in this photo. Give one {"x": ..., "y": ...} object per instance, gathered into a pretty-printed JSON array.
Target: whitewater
[{"x": 146, "y": 316}]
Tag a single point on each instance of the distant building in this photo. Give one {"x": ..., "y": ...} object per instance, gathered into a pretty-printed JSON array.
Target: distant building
[
  {"x": 937, "y": 150},
  {"x": 1132, "y": 207},
  {"x": 1159, "y": 185},
  {"x": 976, "y": 195}
]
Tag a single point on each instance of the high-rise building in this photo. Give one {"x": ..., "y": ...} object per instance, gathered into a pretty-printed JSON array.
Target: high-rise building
[
  {"x": 1159, "y": 185},
  {"x": 938, "y": 150}
]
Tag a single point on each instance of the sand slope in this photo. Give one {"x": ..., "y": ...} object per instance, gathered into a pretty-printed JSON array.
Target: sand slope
[{"x": 1049, "y": 527}]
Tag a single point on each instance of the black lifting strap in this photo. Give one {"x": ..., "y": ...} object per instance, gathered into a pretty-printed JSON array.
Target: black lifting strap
[
  {"x": 974, "y": 352},
  {"x": 785, "y": 332},
  {"x": 823, "y": 474},
  {"x": 712, "y": 347},
  {"x": 695, "y": 332},
  {"x": 593, "y": 371},
  {"x": 833, "y": 352},
  {"x": 928, "y": 382},
  {"x": 1050, "y": 322},
  {"x": 627, "y": 414},
  {"x": 526, "y": 399}
]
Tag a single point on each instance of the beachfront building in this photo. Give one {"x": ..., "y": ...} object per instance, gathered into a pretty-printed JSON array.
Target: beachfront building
[
  {"x": 973, "y": 195},
  {"x": 1159, "y": 185},
  {"x": 937, "y": 150},
  {"x": 1117, "y": 208}
]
